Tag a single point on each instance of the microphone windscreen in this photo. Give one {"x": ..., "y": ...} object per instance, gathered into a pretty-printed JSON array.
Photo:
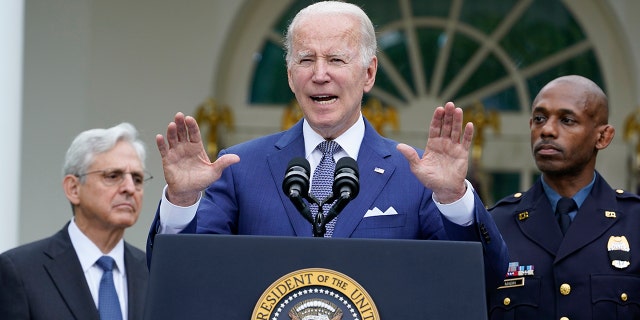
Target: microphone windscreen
[
  {"x": 296, "y": 178},
  {"x": 346, "y": 178},
  {"x": 347, "y": 162},
  {"x": 299, "y": 162}
]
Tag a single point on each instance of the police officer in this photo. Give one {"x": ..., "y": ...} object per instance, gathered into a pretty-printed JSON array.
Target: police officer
[{"x": 571, "y": 237}]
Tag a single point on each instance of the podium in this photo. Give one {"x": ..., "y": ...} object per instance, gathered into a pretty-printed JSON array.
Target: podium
[{"x": 267, "y": 277}]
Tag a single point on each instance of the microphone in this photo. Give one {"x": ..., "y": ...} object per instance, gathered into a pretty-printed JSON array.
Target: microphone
[
  {"x": 346, "y": 185},
  {"x": 296, "y": 179},
  {"x": 296, "y": 185}
]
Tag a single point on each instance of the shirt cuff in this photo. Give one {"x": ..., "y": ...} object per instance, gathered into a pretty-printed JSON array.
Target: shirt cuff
[
  {"x": 460, "y": 211},
  {"x": 174, "y": 218}
]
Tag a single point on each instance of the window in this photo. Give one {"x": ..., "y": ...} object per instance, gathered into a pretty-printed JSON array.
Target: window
[{"x": 499, "y": 52}]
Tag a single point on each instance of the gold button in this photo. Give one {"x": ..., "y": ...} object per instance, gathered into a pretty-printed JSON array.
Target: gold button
[
  {"x": 624, "y": 297},
  {"x": 564, "y": 318},
  {"x": 565, "y": 289},
  {"x": 518, "y": 195},
  {"x": 506, "y": 301}
]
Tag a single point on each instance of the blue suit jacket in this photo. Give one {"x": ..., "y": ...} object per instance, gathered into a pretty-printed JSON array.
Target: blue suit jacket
[
  {"x": 580, "y": 260},
  {"x": 44, "y": 280},
  {"x": 248, "y": 199}
]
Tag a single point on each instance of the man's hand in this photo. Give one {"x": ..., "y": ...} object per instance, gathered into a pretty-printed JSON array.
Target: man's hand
[
  {"x": 186, "y": 165},
  {"x": 444, "y": 165}
]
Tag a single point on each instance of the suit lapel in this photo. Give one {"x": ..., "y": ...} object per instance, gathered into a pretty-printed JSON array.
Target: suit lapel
[
  {"x": 374, "y": 171},
  {"x": 534, "y": 214},
  {"x": 289, "y": 146},
  {"x": 590, "y": 222},
  {"x": 137, "y": 278},
  {"x": 66, "y": 273}
]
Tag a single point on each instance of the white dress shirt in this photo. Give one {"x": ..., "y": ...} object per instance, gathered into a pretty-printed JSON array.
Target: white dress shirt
[{"x": 89, "y": 253}]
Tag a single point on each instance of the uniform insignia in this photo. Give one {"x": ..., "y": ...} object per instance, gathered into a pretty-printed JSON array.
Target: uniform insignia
[
  {"x": 523, "y": 215},
  {"x": 516, "y": 270},
  {"x": 619, "y": 251},
  {"x": 610, "y": 214}
]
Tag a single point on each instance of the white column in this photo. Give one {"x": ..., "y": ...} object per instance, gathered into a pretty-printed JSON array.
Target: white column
[{"x": 11, "y": 57}]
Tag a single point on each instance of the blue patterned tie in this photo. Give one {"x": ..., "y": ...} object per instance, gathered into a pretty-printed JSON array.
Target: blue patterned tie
[
  {"x": 322, "y": 183},
  {"x": 108, "y": 303}
]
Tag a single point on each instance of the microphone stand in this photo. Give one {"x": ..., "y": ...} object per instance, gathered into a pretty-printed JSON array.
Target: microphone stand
[{"x": 319, "y": 223}]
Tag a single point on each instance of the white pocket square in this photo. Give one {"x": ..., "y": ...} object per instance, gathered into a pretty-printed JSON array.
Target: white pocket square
[{"x": 377, "y": 212}]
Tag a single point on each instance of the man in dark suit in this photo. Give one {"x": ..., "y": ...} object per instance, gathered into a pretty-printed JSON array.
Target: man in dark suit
[
  {"x": 331, "y": 63},
  {"x": 59, "y": 277},
  {"x": 572, "y": 261}
]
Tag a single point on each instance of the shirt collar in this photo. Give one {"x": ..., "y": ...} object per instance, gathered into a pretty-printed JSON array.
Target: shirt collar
[
  {"x": 88, "y": 253},
  {"x": 349, "y": 141},
  {"x": 579, "y": 197}
]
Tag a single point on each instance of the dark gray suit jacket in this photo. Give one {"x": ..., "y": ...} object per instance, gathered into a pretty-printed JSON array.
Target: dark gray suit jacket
[{"x": 44, "y": 280}]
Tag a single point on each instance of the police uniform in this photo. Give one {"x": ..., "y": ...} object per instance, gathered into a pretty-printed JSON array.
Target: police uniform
[{"x": 593, "y": 272}]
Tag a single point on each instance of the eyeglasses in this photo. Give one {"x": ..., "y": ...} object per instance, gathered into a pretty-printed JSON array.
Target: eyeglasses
[{"x": 112, "y": 177}]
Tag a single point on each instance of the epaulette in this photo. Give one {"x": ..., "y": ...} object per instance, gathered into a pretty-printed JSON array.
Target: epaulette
[
  {"x": 510, "y": 199},
  {"x": 622, "y": 194}
]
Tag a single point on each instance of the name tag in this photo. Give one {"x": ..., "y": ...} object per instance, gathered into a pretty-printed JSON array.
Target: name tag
[{"x": 512, "y": 282}]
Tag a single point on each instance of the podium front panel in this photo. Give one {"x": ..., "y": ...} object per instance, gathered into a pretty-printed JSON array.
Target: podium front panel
[{"x": 225, "y": 276}]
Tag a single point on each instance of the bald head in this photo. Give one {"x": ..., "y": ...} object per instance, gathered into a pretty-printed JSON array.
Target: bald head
[
  {"x": 569, "y": 125},
  {"x": 584, "y": 92}
]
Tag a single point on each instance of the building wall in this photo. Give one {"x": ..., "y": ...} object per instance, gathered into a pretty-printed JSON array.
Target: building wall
[{"x": 95, "y": 63}]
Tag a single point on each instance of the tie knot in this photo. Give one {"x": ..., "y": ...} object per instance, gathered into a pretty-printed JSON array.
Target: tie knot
[
  {"x": 328, "y": 147},
  {"x": 566, "y": 205},
  {"x": 106, "y": 263}
]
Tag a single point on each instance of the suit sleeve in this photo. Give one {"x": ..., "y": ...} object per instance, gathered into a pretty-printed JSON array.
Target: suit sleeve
[
  {"x": 485, "y": 231},
  {"x": 13, "y": 299}
]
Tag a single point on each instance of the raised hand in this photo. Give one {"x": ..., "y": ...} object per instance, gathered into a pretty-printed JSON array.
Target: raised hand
[
  {"x": 186, "y": 165},
  {"x": 444, "y": 165}
]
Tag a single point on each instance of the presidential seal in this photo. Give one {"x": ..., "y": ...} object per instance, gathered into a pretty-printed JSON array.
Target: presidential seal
[{"x": 315, "y": 294}]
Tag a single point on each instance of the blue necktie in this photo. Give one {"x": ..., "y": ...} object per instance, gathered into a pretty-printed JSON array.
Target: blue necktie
[
  {"x": 564, "y": 206},
  {"x": 108, "y": 303},
  {"x": 322, "y": 184}
]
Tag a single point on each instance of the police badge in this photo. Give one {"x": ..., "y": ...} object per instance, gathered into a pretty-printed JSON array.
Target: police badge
[{"x": 619, "y": 252}]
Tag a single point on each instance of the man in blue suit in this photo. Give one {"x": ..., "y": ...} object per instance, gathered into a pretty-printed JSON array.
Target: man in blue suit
[
  {"x": 331, "y": 63},
  {"x": 589, "y": 270}
]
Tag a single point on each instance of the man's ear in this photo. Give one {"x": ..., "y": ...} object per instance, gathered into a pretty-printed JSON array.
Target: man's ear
[
  {"x": 71, "y": 187},
  {"x": 605, "y": 136},
  {"x": 371, "y": 74}
]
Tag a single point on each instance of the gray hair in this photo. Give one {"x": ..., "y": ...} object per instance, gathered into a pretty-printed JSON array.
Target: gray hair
[
  {"x": 88, "y": 144},
  {"x": 368, "y": 43}
]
